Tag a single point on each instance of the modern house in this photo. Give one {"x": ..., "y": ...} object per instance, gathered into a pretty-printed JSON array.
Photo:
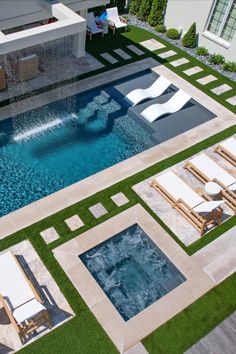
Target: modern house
[{"x": 215, "y": 20}]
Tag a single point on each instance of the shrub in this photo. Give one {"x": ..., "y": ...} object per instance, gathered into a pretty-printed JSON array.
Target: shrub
[
  {"x": 119, "y": 3},
  {"x": 157, "y": 13},
  {"x": 173, "y": 33},
  {"x": 217, "y": 59},
  {"x": 145, "y": 9},
  {"x": 201, "y": 51},
  {"x": 230, "y": 66},
  {"x": 190, "y": 38},
  {"x": 135, "y": 6},
  {"x": 160, "y": 28}
]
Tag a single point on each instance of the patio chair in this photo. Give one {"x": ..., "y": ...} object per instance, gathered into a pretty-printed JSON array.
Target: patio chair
[
  {"x": 174, "y": 104},
  {"x": 155, "y": 90},
  {"x": 92, "y": 27},
  {"x": 227, "y": 149},
  {"x": 19, "y": 298},
  {"x": 199, "y": 212},
  {"x": 207, "y": 170},
  {"x": 114, "y": 20}
]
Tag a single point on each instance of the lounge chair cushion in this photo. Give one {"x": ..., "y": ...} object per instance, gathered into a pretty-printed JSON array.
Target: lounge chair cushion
[
  {"x": 229, "y": 145},
  {"x": 28, "y": 310},
  {"x": 207, "y": 207}
]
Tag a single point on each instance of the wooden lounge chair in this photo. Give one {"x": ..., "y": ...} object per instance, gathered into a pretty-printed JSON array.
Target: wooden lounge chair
[
  {"x": 227, "y": 149},
  {"x": 114, "y": 20},
  {"x": 19, "y": 298},
  {"x": 199, "y": 212},
  {"x": 207, "y": 170}
]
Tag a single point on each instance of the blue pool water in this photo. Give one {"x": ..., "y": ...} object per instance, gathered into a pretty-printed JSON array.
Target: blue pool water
[
  {"x": 51, "y": 147},
  {"x": 132, "y": 271}
]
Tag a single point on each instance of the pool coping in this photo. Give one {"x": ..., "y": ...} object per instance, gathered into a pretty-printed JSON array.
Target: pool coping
[
  {"x": 125, "y": 334},
  {"x": 74, "y": 193}
]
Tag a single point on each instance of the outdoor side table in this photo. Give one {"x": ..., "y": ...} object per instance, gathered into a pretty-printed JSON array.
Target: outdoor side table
[{"x": 212, "y": 189}]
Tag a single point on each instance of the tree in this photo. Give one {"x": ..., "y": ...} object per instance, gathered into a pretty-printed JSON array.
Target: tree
[
  {"x": 145, "y": 9},
  {"x": 190, "y": 38},
  {"x": 157, "y": 14},
  {"x": 135, "y": 6}
]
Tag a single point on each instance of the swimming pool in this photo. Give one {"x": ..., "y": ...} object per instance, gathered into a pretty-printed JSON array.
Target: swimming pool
[{"x": 132, "y": 271}]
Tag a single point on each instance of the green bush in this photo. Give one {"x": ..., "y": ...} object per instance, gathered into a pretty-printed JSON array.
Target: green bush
[
  {"x": 157, "y": 13},
  {"x": 135, "y": 6},
  {"x": 190, "y": 38},
  {"x": 160, "y": 28},
  {"x": 217, "y": 59},
  {"x": 120, "y": 4},
  {"x": 230, "y": 66},
  {"x": 173, "y": 33},
  {"x": 201, "y": 51},
  {"x": 145, "y": 9}
]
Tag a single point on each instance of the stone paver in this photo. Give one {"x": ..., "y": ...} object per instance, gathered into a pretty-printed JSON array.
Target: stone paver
[
  {"x": 193, "y": 71},
  {"x": 206, "y": 79},
  {"x": 120, "y": 199},
  {"x": 109, "y": 58},
  {"x": 49, "y": 235},
  {"x": 179, "y": 62},
  {"x": 167, "y": 54},
  {"x": 135, "y": 49},
  {"x": 137, "y": 349},
  {"x": 221, "y": 89},
  {"x": 98, "y": 210},
  {"x": 232, "y": 100},
  {"x": 74, "y": 222},
  {"x": 122, "y": 54},
  {"x": 152, "y": 45}
]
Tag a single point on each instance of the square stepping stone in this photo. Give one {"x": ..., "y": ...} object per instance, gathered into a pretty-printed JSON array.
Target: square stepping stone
[
  {"x": 109, "y": 58},
  {"x": 193, "y": 71},
  {"x": 179, "y": 62},
  {"x": 120, "y": 199},
  {"x": 232, "y": 100},
  {"x": 167, "y": 54},
  {"x": 135, "y": 50},
  {"x": 152, "y": 44},
  {"x": 49, "y": 235},
  {"x": 74, "y": 222},
  {"x": 206, "y": 79},
  {"x": 98, "y": 210},
  {"x": 221, "y": 89},
  {"x": 122, "y": 54}
]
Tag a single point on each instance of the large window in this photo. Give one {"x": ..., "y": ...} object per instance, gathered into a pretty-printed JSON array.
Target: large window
[{"x": 223, "y": 20}]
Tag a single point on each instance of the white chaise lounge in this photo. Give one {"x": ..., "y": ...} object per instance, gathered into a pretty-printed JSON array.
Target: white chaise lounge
[
  {"x": 114, "y": 20},
  {"x": 227, "y": 149},
  {"x": 207, "y": 170},
  {"x": 175, "y": 103},
  {"x": 199, "y": 212},
  {"x": 155, "y": 90},
  {"x": 19, "y": 298},
  {"x": 92, "y": 27}
]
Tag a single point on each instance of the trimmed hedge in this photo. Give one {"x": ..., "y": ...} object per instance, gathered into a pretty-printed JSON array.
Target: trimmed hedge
[
  {"x": 173, "y": 33},
  {"x": 190, "y": 38},
  {"x": 145, "y": 9},
  {"x": 135, "y": 6},
  {"x": 157, "y": 13}
]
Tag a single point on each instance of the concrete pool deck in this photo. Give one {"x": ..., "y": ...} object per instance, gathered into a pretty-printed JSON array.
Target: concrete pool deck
[
  {"x": 125, "y": 334},
  {"x": 76, "y": 192}
]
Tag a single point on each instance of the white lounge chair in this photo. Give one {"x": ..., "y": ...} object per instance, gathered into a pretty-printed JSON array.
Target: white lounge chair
[
  {"x": 155, "y": 90},
  {"x": 19, "y": 298},
  {"x": 227, "y": 149},
  {"x": 114, "y": 20},
  {"x": 174, "y": 104},
  {"x": 199, "y": 212},
  {"x": 207, "y": 170},
  {"x": 92, "y": 27}
]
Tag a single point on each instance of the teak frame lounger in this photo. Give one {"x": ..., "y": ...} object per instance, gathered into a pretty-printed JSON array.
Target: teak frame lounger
[
  {"x": 224, "y": 152},
  {"x": 199, "y": 222},
  {"x": 29, "y": 326}
]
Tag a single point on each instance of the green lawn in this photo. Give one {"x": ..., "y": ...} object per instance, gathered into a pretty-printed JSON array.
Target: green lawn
[{"x": 83, "y": 334}]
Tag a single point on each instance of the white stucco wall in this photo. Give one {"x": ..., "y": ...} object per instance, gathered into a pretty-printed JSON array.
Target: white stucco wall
[{"x": 182, "y": 14}]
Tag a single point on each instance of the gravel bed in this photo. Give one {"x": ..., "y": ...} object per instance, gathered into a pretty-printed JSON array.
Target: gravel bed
[{"x": 133, "y": 20}]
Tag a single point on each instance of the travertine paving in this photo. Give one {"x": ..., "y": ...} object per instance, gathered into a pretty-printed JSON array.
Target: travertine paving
[
  {"x": 122, "y": 54},
  {"x": 137, "y": 349},
  {"x": 221, "y": 89},
  {"x": 98, "y": 210},
  {"x": 109, "y": 58},
  {"x": 120, "y": 199},
  {"x": 74, "y": 222},
  {"x": 232, "y": 100},
  {"x": 49, "y": 235},
  {"x": 152, "y": 45},
  {"x": 135, "y": 49},
  {"x": 193, "y": 71},
  {"x": 206, "y": 79},
  {"x": 179, "y": 62},
  {"x": 167, "y": 54}
]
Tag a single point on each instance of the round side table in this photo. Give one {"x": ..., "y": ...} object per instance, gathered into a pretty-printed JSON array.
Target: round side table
[{"x": 212, "y": 189}]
